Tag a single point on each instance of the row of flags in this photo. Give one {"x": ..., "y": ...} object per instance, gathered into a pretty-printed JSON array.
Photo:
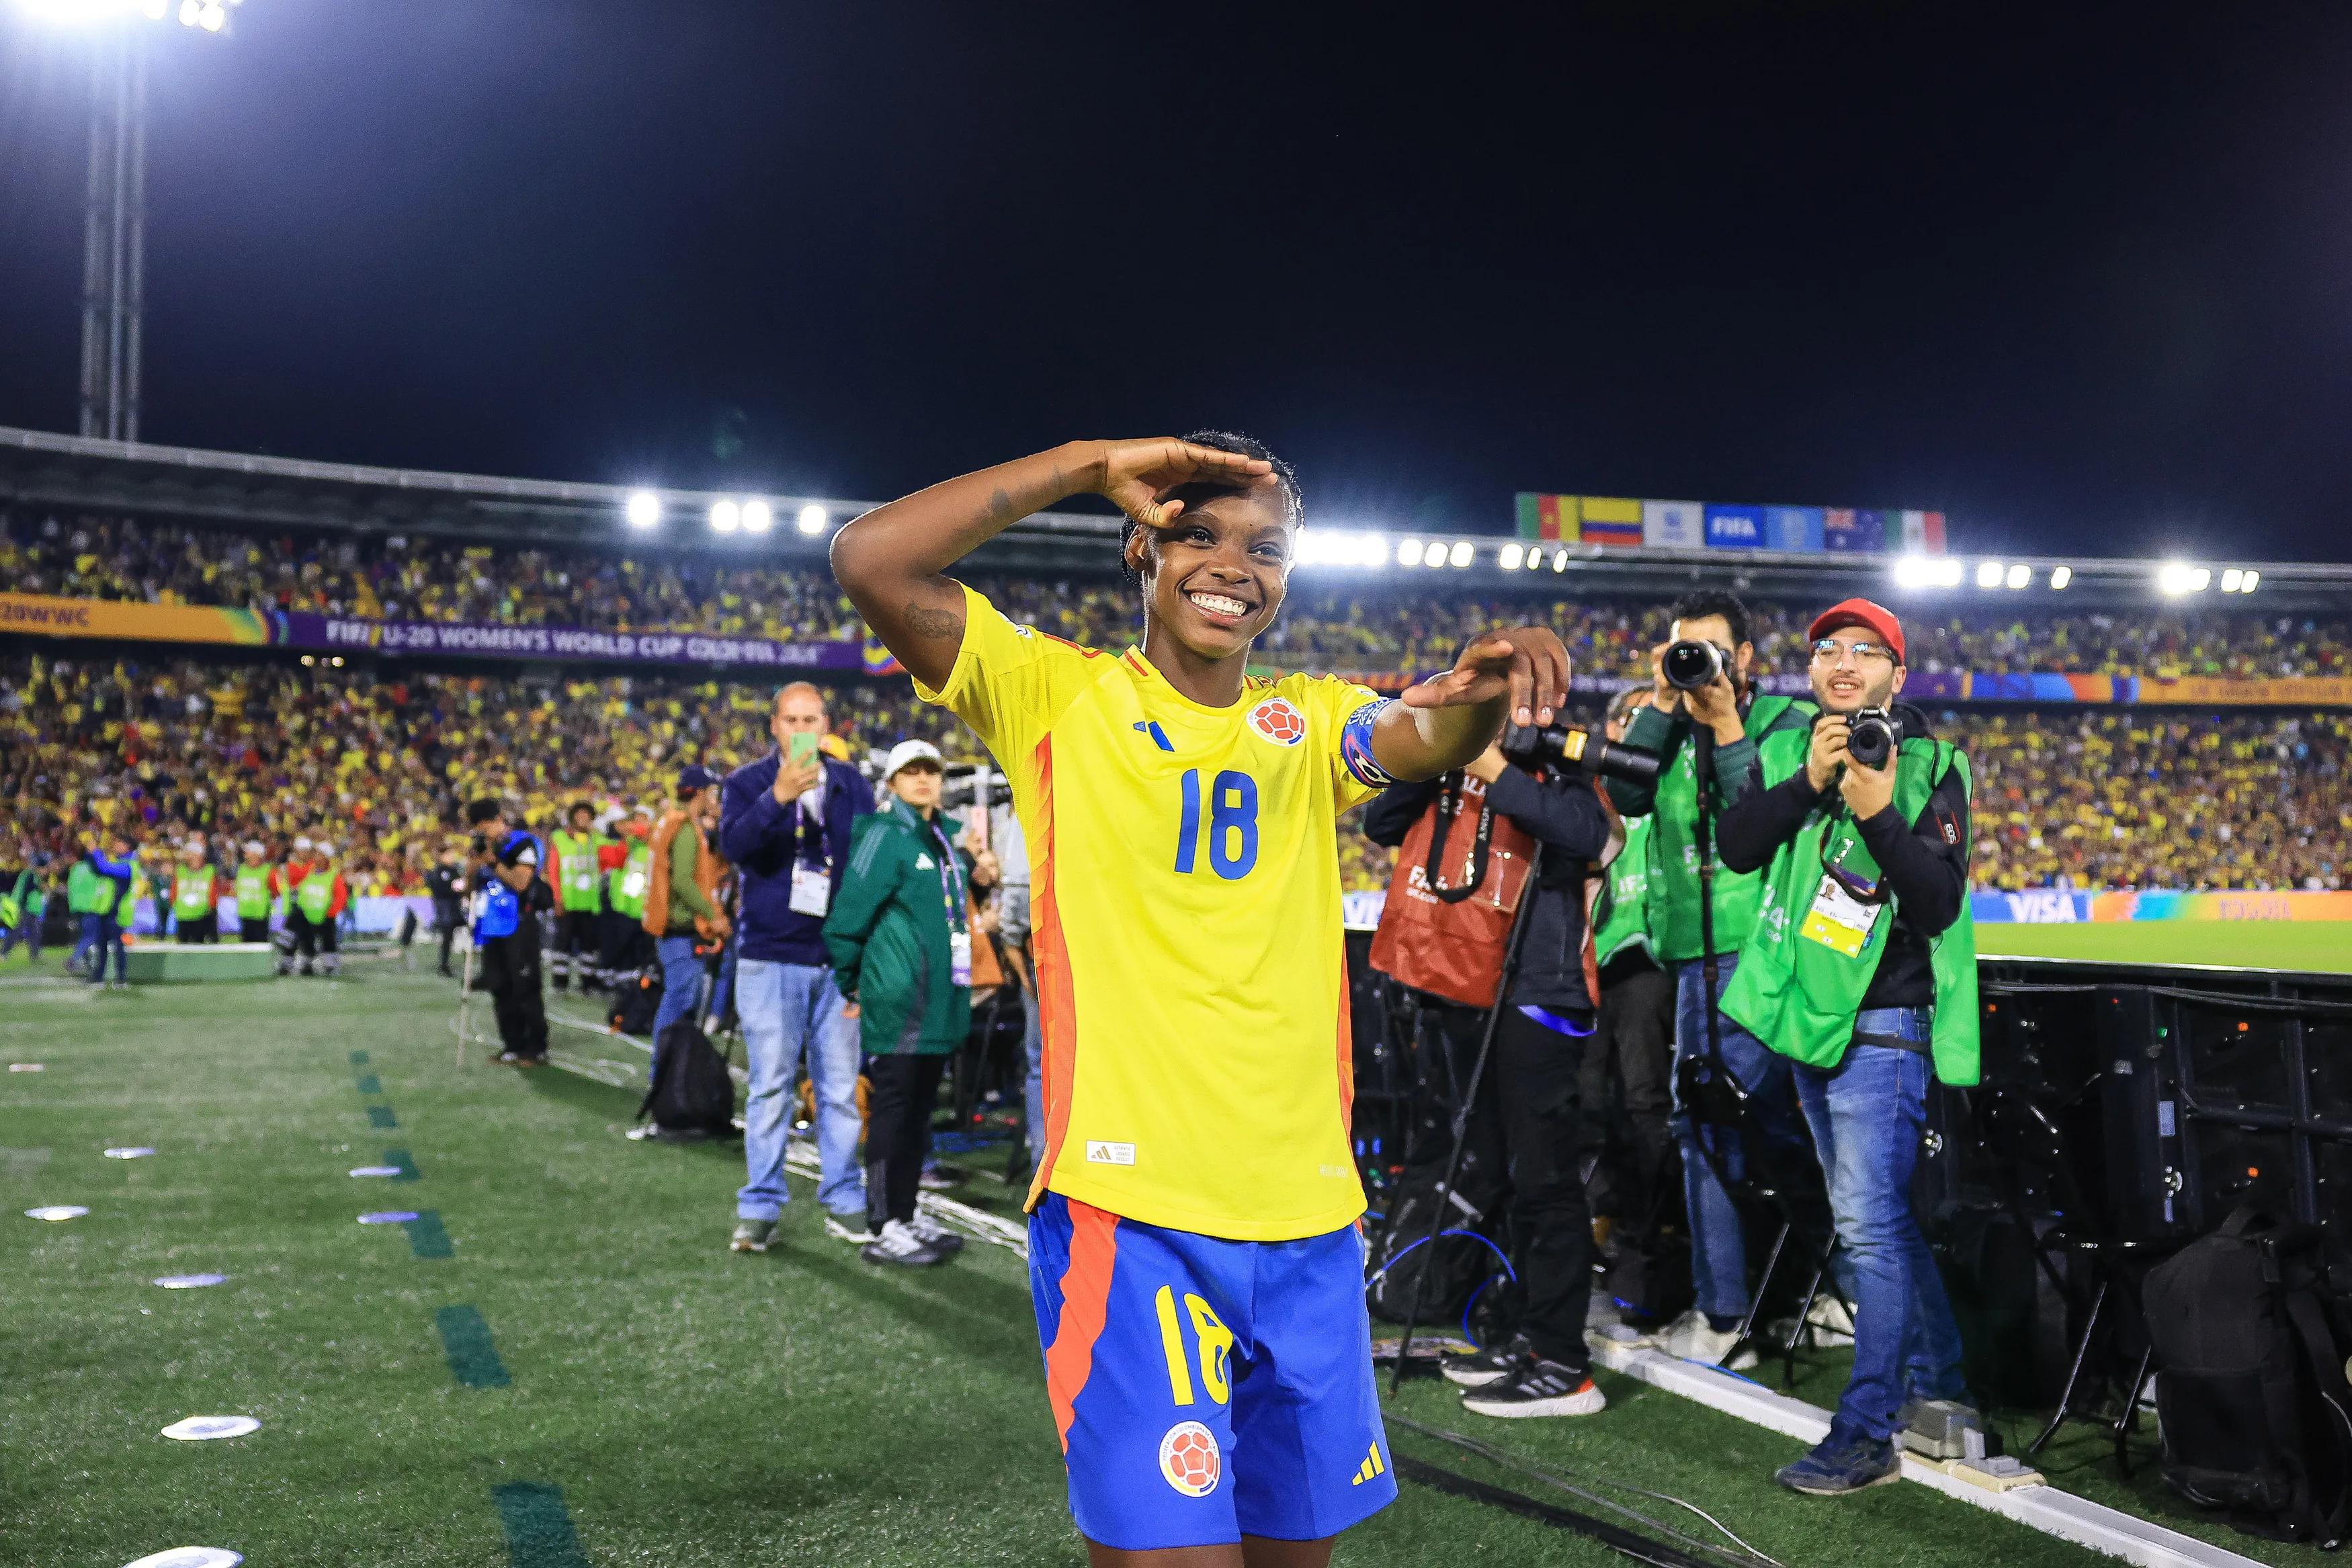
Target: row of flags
[{"x": 1617, "y": 523}]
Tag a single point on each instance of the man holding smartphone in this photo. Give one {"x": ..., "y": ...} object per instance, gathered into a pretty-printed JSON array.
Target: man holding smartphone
[{"x": 784, "y": 823}]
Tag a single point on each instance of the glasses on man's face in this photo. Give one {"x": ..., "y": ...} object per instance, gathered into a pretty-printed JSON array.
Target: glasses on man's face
[{"x": 1830, "y": 651}]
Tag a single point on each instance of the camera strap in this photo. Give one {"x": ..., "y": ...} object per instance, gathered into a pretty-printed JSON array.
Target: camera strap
[{"x": 1449, "y": 806}]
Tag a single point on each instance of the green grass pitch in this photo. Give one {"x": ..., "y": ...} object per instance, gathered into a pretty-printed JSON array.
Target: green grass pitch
[
  {"x": 2325, "y": 946},
  {"x": 563, "y": 1366}
]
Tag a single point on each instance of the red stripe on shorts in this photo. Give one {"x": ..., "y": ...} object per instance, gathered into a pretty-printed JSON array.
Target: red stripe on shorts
[{"x": 1085, "y": 1301}]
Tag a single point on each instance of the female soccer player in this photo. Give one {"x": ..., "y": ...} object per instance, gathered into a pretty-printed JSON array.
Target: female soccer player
[{"x": 1193, "y": 1256}]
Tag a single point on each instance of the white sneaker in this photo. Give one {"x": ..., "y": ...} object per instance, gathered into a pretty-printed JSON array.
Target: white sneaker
[
  {"x": 1691, "y": 1337},
  {"x": 1831, "y": 1322},
  {"x": 934, "y": 1234},
  {"x": 853, "y": 1228},
  {"x": 899, "y": 1245}
]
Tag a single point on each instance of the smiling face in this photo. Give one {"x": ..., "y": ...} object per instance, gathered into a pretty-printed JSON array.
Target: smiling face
[
  {"x": 1849, "y": 681},
  {"x": 1215, "y": 578}
]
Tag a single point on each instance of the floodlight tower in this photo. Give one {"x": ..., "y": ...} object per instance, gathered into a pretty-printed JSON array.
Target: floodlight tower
[{"x": 114, "y": 205}]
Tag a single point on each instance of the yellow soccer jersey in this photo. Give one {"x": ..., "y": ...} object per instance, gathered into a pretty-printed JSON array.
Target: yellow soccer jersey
[{"x": 1184, "y": 898}]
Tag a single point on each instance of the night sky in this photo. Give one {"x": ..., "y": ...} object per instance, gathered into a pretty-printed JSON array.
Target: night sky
[{"x": 2083, "y": 282}]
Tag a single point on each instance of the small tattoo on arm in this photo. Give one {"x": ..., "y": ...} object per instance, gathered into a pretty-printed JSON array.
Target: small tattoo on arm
[
  {"x": 1000, "y": 507},
  {"x": 934, "y": 623}
]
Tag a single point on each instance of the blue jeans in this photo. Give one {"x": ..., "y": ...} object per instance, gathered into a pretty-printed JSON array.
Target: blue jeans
[
  {"x": 1719, "y": 1246},
  {"x": 681, "y": 987},
  {"x": 1866, "y": 1114},
  {"x": 108, "y": 940},
  {"x": 723, "y": 987},
  {"x": 85, "y": 938},
  {"x": 786, "y": 1008},
  {"x": 1033, "y": 1045}
]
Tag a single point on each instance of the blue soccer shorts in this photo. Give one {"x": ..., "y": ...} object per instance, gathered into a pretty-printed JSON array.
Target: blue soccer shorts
[{"x": 1205, "y": 1389}]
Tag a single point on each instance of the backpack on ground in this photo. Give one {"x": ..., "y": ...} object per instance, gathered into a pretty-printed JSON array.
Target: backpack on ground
[
  {"x": 636, "y": 1001},
  {"x": 2252, "y": 1397},
  {"x": 1463, "y": 1257},
  {"x": 693, "y": 1094}
]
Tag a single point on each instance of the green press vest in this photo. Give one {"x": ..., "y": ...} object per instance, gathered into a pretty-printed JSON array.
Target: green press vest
[
  {"x": 1620, "y": 919},
  {"x": 192, "y": 894},
  {"x": 83, "y": 887},
  {"x": 1797, "y": 989},
  {"x": 253, "y": 893},
  {"x": 1672, "y": 893},
  {"x": 316, "y": 895},
  {"x": 630, "y": 879},
  {"x": 575, "y": 860}
]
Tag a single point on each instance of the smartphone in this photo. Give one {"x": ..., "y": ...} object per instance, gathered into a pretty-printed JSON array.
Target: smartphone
[{"x": 803, "y": 748}]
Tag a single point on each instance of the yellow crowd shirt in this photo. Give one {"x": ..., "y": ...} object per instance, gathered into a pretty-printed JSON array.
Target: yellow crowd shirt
[{"x": 1184, "y": 900}]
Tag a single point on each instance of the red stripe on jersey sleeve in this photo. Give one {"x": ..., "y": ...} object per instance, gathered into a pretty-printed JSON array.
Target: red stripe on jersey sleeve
[{"x": 1056, "y": 1004}]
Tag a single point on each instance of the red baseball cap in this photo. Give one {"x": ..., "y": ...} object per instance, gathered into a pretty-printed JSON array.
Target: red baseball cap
[{"x": 1860, "y": 613}]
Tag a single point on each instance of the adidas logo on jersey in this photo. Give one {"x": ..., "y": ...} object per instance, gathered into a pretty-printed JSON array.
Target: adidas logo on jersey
[{"x": 1371, "y": 1467}]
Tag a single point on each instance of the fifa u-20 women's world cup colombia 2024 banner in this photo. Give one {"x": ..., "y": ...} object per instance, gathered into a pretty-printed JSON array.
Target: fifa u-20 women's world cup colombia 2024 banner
[
  {"x": 110, "y": 621},
  {"x": 101, "y": 620}
]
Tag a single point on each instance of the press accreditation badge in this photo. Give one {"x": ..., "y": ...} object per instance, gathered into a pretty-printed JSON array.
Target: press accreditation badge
[
  {"x": 1838, "y": 920},
  {"x": 811, "y": 890},
  {"x": 959, "y": 958}
]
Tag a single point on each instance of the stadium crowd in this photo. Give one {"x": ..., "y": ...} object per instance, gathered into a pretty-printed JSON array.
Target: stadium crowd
[
  {"x": 396, "y": 578},
  {"x": 381, "y": 764}
]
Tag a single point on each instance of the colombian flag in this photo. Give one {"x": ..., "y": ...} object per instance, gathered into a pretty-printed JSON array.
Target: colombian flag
[
  {"x": 878, "y": 661},
  {"x": 1611, "y": 522}
]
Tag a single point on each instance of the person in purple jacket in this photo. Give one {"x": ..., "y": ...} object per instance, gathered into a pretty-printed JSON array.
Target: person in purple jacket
[{"x": 783, "y": 822}]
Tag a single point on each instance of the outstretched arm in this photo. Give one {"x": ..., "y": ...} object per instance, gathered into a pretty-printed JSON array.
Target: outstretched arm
[
  {"x": 1520, "y": 674},
  {"x": 893, "y": 561}
]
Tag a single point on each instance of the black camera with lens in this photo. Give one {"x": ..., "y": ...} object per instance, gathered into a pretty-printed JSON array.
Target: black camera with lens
[
  {"x": 1692, "y": 663},
  {"x": 481, "y": 845},
  {"x": 1534, "y": 745},
  {"x": 1873, "y": 736}
]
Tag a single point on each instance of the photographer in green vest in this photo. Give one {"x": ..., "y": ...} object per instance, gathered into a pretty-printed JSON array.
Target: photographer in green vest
[
  {"x": 84, "y": 887},
  {"x": 1704, "y": 716},
  {"x": 578, "y": 880},
  {"x": 254, "y": 890},
  {"x": 627, "y": 948},
  {"x": 1861, "y": 972},
  {"x": 1628, "y": 1088},
  {"x": 194, "y": 893}
]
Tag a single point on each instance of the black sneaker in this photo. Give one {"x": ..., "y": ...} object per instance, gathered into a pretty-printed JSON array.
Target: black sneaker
[
  {"x": 1539, "y": 1387},
  {"x": 1483, "y": 1368}
]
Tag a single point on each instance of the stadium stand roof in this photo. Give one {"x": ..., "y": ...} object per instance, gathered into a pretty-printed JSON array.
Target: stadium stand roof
[{"x": 83, "y": 475}]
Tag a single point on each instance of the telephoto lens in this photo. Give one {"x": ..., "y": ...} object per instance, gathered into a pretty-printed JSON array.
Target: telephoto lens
[
  {"x": 1873, "y": 736},
  {"x": 1531, "y": 747},
  {"x": 1690, "y": 664}
]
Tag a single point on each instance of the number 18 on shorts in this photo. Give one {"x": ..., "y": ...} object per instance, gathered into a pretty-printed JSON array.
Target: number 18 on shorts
[{"x": 1206, "y": 1389}]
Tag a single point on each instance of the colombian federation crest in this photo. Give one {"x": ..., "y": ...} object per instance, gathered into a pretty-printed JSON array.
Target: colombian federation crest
[
  {"x": 1278, "y": 722},
  {"x": 1189, "y": 1458}
]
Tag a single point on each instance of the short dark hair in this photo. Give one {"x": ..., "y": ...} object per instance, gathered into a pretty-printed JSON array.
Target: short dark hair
[
  {"x": 1702, "y": 603},
  {"x": 484, "y": 810},
  {"x": 577, "y": 807},
  {"x": 1293, "y": 501}
]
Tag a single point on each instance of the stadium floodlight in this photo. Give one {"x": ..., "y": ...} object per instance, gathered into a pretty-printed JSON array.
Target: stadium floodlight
[
  {"x": 726, "y": 517},
  {"x": 812, "y": 519},
  {"x": 2019, "y": 576},
  {"x": 757, "y": 518},
  {"x": 1509, "y": 557},
  {"x": 1461, "y": 554},
  {"x": 1988, "y": 574},
  {"x": 1535, "y": 558},
  {"x": 2178, "y": 576},
  {"x": 1408, "y": 552},
  {"x": 2252, "y": 577},
  {"x": 1341, "y": 547},
  {"x": 642, "y": 509},
  {"x": 2060, "y": 576},
  {"x": 1559, "y": 561},
  {"x": 2231, "y": 578}
]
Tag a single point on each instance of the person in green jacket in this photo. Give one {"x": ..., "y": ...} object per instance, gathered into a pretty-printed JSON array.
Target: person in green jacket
[
  {"x": 1861, "y": 972},
  {"x": 1727, "y": 717},
  {"x": 900, "y": 937}
]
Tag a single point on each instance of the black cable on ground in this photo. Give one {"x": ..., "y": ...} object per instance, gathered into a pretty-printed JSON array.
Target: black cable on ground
[{"x": 1624, "y": 1541}]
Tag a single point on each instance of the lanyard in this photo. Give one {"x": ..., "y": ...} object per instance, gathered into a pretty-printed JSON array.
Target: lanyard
[{"x": 950, "y": 876}]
